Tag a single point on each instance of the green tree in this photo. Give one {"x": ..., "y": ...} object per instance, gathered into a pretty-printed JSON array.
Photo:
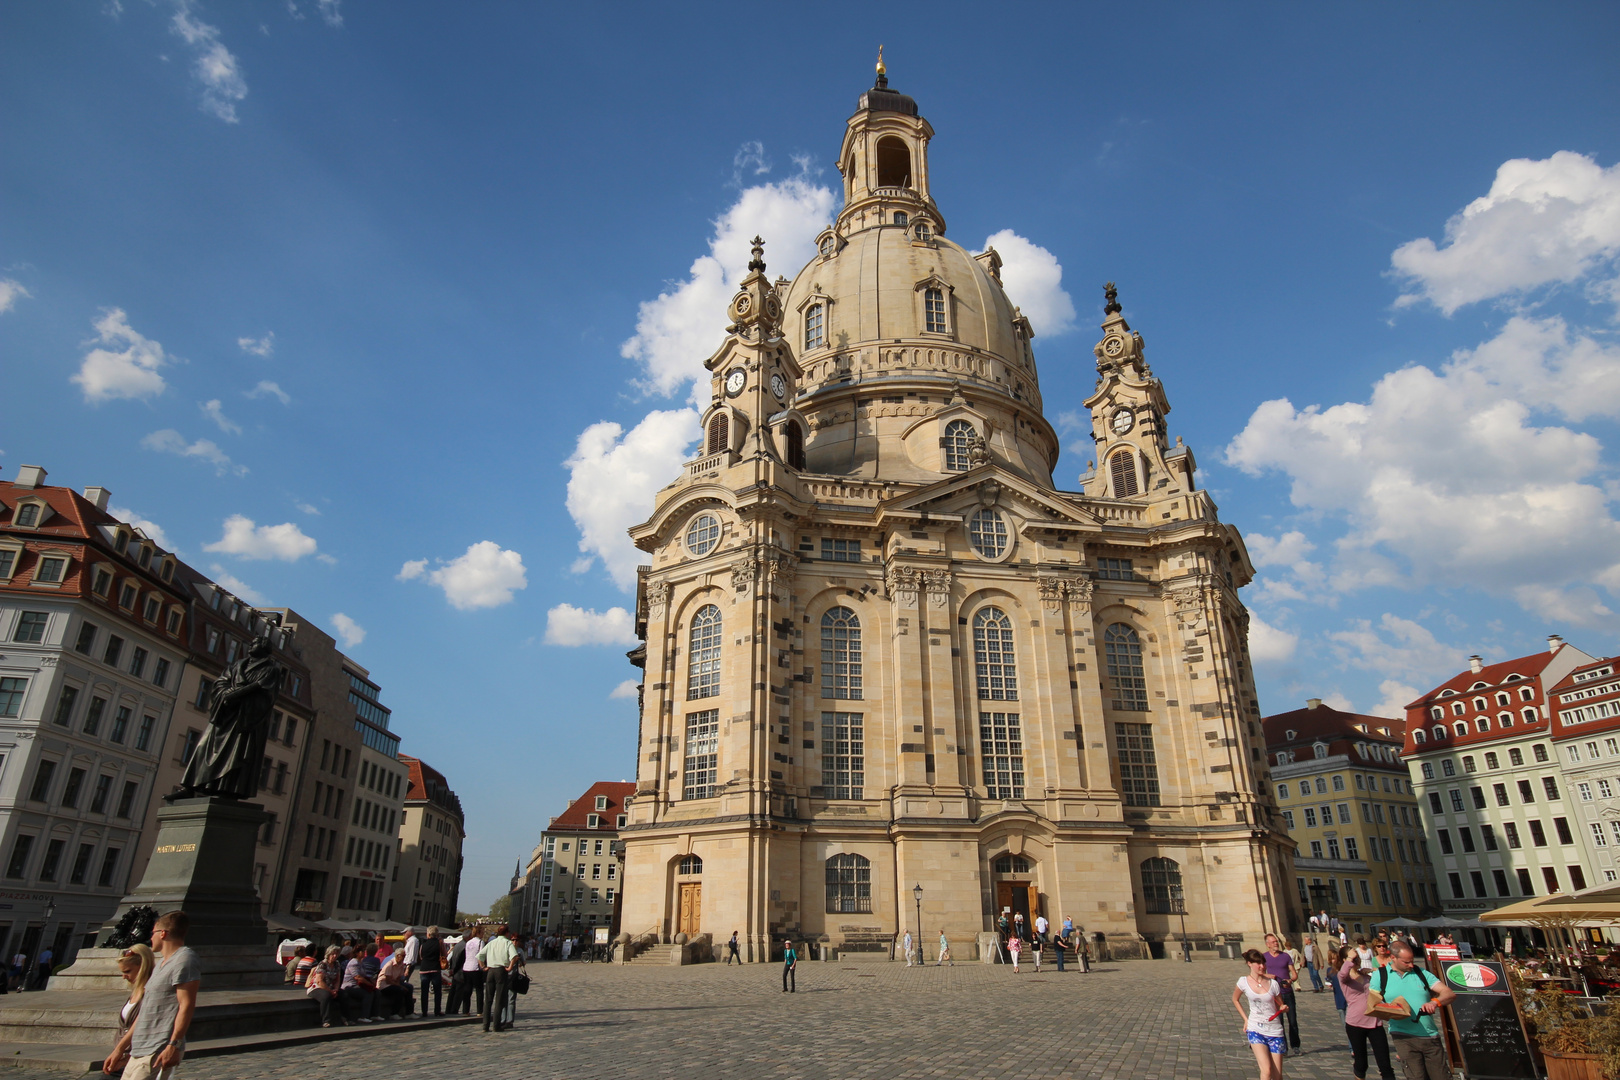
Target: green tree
[{"x": 501, "y": 910}]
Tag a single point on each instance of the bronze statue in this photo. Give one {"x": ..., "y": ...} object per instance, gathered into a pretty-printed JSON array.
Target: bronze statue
[{"x": 226, "y": 761}]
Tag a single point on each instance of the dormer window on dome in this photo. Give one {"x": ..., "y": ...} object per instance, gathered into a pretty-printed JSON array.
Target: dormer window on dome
[
  {"x": 934, "y": 309},
  {"x": 815, "y": 327}
]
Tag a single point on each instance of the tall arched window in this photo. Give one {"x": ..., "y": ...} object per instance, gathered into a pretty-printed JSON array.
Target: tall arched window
[
  {"x": 849, "y": 885},
  {"x": 893, "y": 162},
  {"x": 1161, "y": 885},
  {"x": 1122, "y": 651},
  {"x": 702, "y": 754},
  {"x": 815, "y": 327},
  {"x": 840, "y": 654},
  {"x": 993, "y": 663},
  {"x": 1122, "y": 471},
  {"x": 794, "y": 437},
  {"x": 703, "y": 661},
  {"x": 934, "y": 311},
  {"x": 958, "y": 439},
  {"x": 719, "y": 432},
  {"x": 1001, "y": 746}
]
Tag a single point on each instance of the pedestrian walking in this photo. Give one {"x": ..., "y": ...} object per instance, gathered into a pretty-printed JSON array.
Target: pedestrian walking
[
  {"x": 944, "y": 951},
  {"x": 323, "y": 983},
  {"x": 906, "y": 946},
  {"x": 1336, "y": 959},
  {"x": 1362, "y": 1030},
  {"x": 1035, "y": 952},
  {"x": 154, "y": 1046},
  {"x": 1280, "y": 966},
  {"x": 732, "y": 952},
  {"x": 790, "y": 963},
  {"x": 1061, "y": 943},
  {"x": 1310, "y": 962},
  {"x": 1015, "y": 946},
  {"x": 135, "y": 965},
  {"x": 42, "y": 968},
  {"x": 1416, "y": 1038},
  {"x": 495, "y": 962},
  {"x": 1262, "y": 1018},
  {"x": 412, "y": 952},
  {"x": 429, "y": 969}
]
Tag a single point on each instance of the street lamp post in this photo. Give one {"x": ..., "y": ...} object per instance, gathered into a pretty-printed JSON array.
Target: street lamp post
[
  {"x": 1178, "y": 906},
  {"x": 916, "y": 894}
]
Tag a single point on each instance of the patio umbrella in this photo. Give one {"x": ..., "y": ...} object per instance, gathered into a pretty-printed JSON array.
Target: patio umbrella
[{"x": 1398, "y": 921}]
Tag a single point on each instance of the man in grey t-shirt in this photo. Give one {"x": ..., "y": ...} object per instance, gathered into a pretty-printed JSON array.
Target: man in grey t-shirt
[{"x": 152, "y": 1049}]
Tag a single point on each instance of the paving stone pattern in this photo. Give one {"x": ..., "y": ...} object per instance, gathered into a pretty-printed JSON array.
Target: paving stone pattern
[{"x": 1147, "y": 1020}]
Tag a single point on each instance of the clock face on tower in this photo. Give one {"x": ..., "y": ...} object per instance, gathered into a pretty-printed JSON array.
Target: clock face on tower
[
  {"x": 778, "y": 386},
  {"x": 735, "y": 381},
  {"x": 1123, "y": 421}
]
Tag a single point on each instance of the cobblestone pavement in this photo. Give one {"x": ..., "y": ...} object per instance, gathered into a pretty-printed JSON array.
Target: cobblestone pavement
[{"x": 1143, "y": 1021}]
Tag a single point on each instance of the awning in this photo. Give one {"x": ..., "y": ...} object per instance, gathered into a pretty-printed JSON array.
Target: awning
[
  {"x": 291, "y": 924},
  {"x": 1595, "y": 905}
]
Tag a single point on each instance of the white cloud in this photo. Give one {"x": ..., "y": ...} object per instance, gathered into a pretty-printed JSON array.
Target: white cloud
[
  {"x": 1396, "y": 694},
  {"x": 349, "y": 632},
  {"x": 1443, "y": 477},
  {"x": 614, "y": 476},
  {"x": 259, "y": 346},
  {"x": 569, "y": 625},
  {"x": 1400, "y": 648},
  {"x": 11, "y": 291},
  {"x": 236, "y": 585},
  {"x": 215, "y": 68},
  {"x": 246, "y": 540},
  {"x": 1286, "y": 550},
  {"x": 1268, "y": 644},
  {"x": 681, "y": 328},
  {"x": 170, "y": 441},
  {"x": 266, "y": 388},
  {"x": 331, "y": 11},
  {"x": 123, "y": 365},
  {"x": 1338, "y": 701},
  {"x": 1033, "y": 279},
  {"x": 1553, "y": 220},
  {"x": 627, "y": 689},
  {"x": 485, "y": 575},
  {"x": 143, "y": 523},
  {"x": 216, "y": 412},
  {"x": 308, "y": 508}
]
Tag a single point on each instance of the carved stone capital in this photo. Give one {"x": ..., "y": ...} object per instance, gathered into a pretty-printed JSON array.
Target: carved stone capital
[
  {"x": 1052, "y": 590},
  {"x": 744, "y": 572},
  {"x": 1079, "y": 591},
  {"x": 1188, "y": 602},
  {"x": 902, "y": 583},
  {"x": 937, "y": 586},
  {"x": 657, "y": 598}
]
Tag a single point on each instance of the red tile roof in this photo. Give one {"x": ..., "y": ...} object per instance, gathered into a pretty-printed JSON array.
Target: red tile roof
[
  {"x": 428, "y": 784},
  {"x": 577, "y": 816},
  {"x": 1466, "y": 685},
  {"x": 1607, "y": 689},
  {"x": 1326, "y": 722}
]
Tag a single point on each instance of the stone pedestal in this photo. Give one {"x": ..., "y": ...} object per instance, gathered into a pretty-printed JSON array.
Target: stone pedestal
[{"x": 202, "y": 864}]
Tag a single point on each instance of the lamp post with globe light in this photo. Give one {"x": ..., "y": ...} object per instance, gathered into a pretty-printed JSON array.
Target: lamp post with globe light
[
  {"x": 1178, "y": 906},
  {"x": 916, "y": 894}
]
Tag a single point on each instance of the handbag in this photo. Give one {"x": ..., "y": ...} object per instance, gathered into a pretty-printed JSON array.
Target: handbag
[{"x": 520, "y": 982}]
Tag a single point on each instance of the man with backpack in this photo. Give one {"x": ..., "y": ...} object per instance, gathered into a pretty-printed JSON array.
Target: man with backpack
[{"x": 1416, "y": 1037}]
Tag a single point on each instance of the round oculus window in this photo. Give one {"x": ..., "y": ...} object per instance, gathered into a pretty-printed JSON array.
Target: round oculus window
[
  {"x": 703, "y": 534},
  {"x": 987, "y": 532}
]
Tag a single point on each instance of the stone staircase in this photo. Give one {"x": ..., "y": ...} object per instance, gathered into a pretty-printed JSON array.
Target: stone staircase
[{"x": 657, "y": 954}]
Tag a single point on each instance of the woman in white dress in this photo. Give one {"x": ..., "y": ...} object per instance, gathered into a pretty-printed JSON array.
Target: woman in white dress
[{"x": 1262, "y": 1015}]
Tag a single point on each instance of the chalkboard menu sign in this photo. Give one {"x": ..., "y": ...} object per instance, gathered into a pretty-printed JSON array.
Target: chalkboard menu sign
[{"x": 1487, "y": 1024}]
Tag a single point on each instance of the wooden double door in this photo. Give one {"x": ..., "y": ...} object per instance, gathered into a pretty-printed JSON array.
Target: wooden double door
[
  {"x": 691, "y": 908},
  {"x": 1022, "y": 897}
]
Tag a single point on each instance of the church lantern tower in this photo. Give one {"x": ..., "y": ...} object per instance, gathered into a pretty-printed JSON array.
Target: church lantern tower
[{"x": 883, "y": 648}]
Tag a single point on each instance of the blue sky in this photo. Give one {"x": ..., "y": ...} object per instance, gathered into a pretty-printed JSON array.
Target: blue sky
[{"x": 393, "y": 311}]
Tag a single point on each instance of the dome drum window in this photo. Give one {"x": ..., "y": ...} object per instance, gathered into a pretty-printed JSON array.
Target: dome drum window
[
  {"x": 703, "y": 534},
  {"x": 934, "y": 311},
  {"x": 957, "y": 443},
  {"x": 815, "y": 327}
]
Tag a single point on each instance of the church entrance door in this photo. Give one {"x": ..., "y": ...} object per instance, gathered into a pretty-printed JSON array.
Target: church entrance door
[
  {"x": 1022, "y": 897},
  {"x": 691, "y": 908}
]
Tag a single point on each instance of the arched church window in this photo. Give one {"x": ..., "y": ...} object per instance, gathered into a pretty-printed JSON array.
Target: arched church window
[
  {"x": 849, "y": 885},
  {"x": 900, "y": 218},
  {"x": 815, "y": 327},
  {"x": 893, "y": 162},
  {"x": 795, "y": 445},
  {"x": 703, "y": 660},
  {"x": 987, "y": 532},
  {"x": 1122, "y": 651},
  {"x": 934, "y": 311},
  {"x": 993, "y": 662},
  {"x": 958, "y": 439},
  {"x": 1011, "y": 864},
  {"x": 840, "y": 654},
  {"x": 1161, "y": 885},
  {"x": 719, "y": 432},
  {"x": 1001, "y": 747},
  {"x": 1122, "y": 470},
  {"x": 843, "y": 755},
  {"x": 702, "y": 534},
  {"x": 690, "y": 865},
  {"x": 702, "y": 758}
]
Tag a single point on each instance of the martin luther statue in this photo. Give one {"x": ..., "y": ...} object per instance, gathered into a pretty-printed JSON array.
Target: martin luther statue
[{"x": 226, "y": 761}]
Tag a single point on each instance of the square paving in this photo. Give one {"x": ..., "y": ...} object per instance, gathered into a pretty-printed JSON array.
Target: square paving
[{"x": 1141, "y": 1020}]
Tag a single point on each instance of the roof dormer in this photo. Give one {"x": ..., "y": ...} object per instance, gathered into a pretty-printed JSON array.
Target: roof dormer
[{"x": 31, "y": 512}]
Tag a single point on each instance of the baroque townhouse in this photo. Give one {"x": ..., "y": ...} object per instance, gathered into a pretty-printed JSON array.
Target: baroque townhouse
[
  {"x": 1501, "y": 819},
  {"x": 1586, "y": 731},
  {"x": 1346, "y": 798},
  {"x": 574, "y": 878},
  {"x": 220, "y": 626},
  {"x": 93, "y": 626},
  {"x": 427, "y": 879},
  {"x": 884, "y": 651}
]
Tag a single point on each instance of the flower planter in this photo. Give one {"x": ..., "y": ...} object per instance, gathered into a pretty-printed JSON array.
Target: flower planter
[{"x": 1573, "y": 1066}]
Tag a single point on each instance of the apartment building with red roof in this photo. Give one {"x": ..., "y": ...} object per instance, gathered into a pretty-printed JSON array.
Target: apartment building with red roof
[
  {"x": 573, "y": 880},
  {"x": 1344, "y": 793},
  {"x": 1480, "y": 749},
  {"x": 427, "y": 882},
  {"x": 1586, "y": 732}
]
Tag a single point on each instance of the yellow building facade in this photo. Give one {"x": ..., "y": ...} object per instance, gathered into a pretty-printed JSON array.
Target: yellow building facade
[{"x": 884, "y": 652}]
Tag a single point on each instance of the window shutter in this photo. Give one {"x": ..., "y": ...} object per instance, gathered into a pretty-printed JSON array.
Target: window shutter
[{"x": 1122, "y": 469}]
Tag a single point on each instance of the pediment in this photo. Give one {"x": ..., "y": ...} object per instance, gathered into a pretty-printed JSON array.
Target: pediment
[{"x": 971, "y": 489}]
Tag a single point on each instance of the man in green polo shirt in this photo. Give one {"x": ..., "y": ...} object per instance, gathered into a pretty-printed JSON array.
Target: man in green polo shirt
[{"x": 1416, "y": 1037}]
